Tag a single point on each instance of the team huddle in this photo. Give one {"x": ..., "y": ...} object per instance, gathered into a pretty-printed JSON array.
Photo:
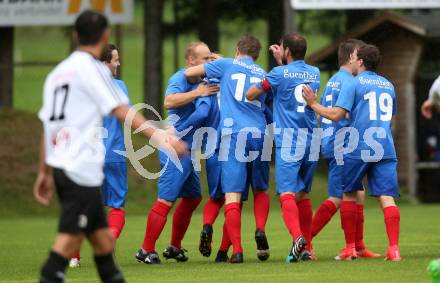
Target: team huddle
[{"x": 240, "y": 118}]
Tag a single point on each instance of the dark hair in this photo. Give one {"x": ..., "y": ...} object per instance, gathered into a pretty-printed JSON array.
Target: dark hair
[
  {"x": 297, "y": 45},
  {"x": 107, "y": 53},
  {"x": 346, "y": 48},
  {"x": 90, "y": 26},
  {"x": 370, "y": 55},
  {"x": 249, "y": 45}
]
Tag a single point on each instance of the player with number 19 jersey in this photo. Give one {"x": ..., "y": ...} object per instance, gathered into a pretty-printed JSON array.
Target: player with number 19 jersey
[
  {"x": 371, "y": 111},
  {"x": 294, "y": 118}
]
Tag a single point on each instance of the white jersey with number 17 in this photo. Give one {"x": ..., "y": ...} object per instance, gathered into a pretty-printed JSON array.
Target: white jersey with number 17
[{"x": 78, "y": 93}]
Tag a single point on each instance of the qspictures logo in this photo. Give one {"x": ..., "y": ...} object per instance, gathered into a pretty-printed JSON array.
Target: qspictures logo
[{"x": 117, "y": 6}]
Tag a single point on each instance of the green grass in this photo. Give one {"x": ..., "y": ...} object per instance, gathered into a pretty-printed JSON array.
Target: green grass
[{"x": 24, "y": 244}]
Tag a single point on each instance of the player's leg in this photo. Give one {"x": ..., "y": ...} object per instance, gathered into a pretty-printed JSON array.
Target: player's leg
[
  {"x": 103, "y": 241},
  {"x": 287, "y": 184},
  {"x": 330, "y": 206},
  {"x": 305, "y": 209},
  {"x": 234, "y": 184},
  {"x": 212, "y": 208},
  {"x": 71, "y": 223},
  {"x": 233, "y": 224},
  {"x": 64, "y": 247},
  {"x": 361, "y": 249},
  {"x": 190, "y": 199},
  {"x": 222, "y": 254},
  {"x": 169, "y": 187},
  {"x": 354, "y": 171},
  {"x": 382, "y": 183},
  {"x": 115, "y": 195},
  {"x": 260, "y": 183}
]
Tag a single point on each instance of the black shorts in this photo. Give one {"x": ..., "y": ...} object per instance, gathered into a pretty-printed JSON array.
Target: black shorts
[{"x": 82, "y": 210}]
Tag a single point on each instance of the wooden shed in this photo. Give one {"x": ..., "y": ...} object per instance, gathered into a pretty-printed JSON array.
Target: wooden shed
[{"x": 410, "y": 47}]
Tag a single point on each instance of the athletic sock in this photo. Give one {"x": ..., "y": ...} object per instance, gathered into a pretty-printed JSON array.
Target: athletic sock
[
  {"x": 360, "y": 228},
  {"x": 305, "y": 211},
  {"x": 392, "y": 223},
  {"x": 116, "y": 221},
  {"x": 155, "y": 222},
  {"x": 233, "y": 224},
  {"x": 107, "y": 270},
  {"x": 349, "y": 217},
  {"x": 182, "y": 218},
  {"x": 290, "y": 215},
  {"x": 261, "y": 209},
  {"x": 77, "y": 255},
  {"x": 211, "y": 210},
  {"x": 54, "y": 269},
  {"x": 226, "y": 241},
  {"x": 322, "y": 216}
]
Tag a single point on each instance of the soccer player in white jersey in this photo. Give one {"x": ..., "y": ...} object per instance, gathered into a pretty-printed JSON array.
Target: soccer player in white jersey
[{"x": 78, "y": 93}]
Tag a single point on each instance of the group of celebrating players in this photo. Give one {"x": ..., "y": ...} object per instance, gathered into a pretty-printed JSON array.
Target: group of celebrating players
[{"x": 234, "y": 97}]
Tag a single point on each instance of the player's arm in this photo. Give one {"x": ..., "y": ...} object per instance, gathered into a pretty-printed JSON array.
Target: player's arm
[
  {"x": 335, "y": 113},
  {"x": 43, "y": 187},
  {"x": 176, "y": 100},
  {"x": 194, "y": 74},
  {"x": 258, "y": 89},
  {"x": 157, "y": 137},
  {"x": 197, "y": 118}
]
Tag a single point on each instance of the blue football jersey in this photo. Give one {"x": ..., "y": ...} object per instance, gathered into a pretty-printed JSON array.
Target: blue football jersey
[
  {"x": 290, "y": 111},
  {"x": 371, "y": 111},
  {"x": 236, "y": 76},
  {"x": 115, "y": 138},
  {"x": 341, "y": 82},
  {"x": 179, "y": 84}
]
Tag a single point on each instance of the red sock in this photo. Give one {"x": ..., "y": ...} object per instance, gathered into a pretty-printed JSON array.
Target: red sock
[
  {"x": 392, "y": 223},
  {"x": 261, "y": 209},
  {"x": 211, "y": 210},
  {"x": 349, "y": 213},
  {"x": 305, "y": 211},
  {"x": 182, "y": 218},
  {"x": 322, "y": 216},
  {"x": 155, "y": 222},
  {"x": 233, "y": 224},
  {"x": 116, "y": 221},
  {"x": 360, "y": 228},
  {"x": 290, "y": 215},
  {"x": 226, "y": 241},
  {"x": 77, "y": 255}
]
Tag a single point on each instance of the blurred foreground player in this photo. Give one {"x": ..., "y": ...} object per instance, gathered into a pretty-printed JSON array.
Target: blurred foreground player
[
  {"x": 115, "y": 186},
  {"x": 78, "y": 93}
]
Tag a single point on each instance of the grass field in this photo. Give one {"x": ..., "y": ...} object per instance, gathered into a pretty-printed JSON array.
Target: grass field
[{"x": 24, "y": 244}]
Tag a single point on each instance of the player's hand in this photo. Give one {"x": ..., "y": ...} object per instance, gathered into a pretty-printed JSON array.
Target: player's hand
[
  {"x": 309, "y": 95},
  {"x": 43, "y": 188},
  {"x": 276, "y": 52},
  {"x": 179, "y": 146},
  {"x": 427, "y": 109},
  {"x": 205, "y": 89}
]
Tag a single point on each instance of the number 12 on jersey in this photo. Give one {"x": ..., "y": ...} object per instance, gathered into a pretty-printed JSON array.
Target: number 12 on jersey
[{"x": 239, "y": 89}]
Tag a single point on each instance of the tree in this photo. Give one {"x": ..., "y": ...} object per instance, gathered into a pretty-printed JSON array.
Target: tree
[
  {"x": 153, "y": 10},
  {"x": 208, "y": 27}
]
